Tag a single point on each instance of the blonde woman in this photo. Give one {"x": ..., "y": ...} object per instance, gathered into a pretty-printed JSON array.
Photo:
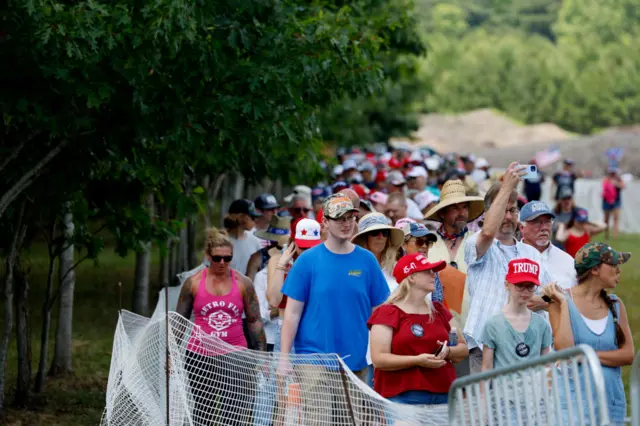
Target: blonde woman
[{"x": 413, "y": 344}]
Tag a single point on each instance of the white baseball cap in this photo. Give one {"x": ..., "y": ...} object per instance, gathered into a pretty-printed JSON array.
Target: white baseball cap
[
  {"x": 349, "y": 164},
  {"x": 481, "y": 162},
  {"x": 424, "y": 198},
  {"x": 416, "y": 156},
  {"x": 338, "y": 170},
  {"x": 307, "y": 233},
  {"x": 432, "y": 163},
  {"x": 417, "y": 171}
]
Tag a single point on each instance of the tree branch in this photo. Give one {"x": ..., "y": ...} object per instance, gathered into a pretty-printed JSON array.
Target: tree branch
[
  {"x": 17, "y": 150},
  {"x": 52, "y": 301},
  {"x": 28, "y": 178}
]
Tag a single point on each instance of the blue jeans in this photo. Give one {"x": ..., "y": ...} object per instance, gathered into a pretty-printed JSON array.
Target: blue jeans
[
  {"x": 370, "y": 376},
  {"x": 420, "y": 398}
]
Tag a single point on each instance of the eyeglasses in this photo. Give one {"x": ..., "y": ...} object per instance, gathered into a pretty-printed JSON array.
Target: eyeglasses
[
  {"x": 218, "y": 259},
  {"x": 384, "y": 232},
  {"x": 530, "y": 288},
  {"x": 423, "y": 242},
  {"x": 539, "y": 223},
  {"x": 513, "y": 210},
  {"x": 300, "y": 209},
  {"x": 344, "y": 219}
]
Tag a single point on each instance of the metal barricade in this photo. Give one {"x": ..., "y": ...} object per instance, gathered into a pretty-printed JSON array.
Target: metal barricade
[
  {"x": 634, "y": 391},
  {"x": 560, "y": 388}
]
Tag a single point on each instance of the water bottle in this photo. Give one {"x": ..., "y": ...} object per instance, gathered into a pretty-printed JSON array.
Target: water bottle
[{"x": 453, "y": 336}]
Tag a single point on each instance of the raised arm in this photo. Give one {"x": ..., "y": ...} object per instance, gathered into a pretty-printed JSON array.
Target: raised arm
[
  {"x": 252, "y": 312},
  {"x": 495, "y": 215},
  {"x": 562, "y": 233},
  {"x": 277, "y": 267}
]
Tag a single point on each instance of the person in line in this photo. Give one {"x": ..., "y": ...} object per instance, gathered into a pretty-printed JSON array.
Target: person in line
[
  {"x": 396, "y": 184},
  {"x": 334, "y": 277},
  {"x": 588, "y": 314},
  {"x": 565, "y": 178},
  {"x": 266, "y": 206},
  {"x": 376, "y": 234},
  {"x": 516, "y": 334},
  {"x": 564, "y": 211},
  {"x": 239, "y": 224},
  {"x": 412, "y": 346},
  {"x": 612, "y": 186},
  {"x": 218, "y": 297},
  {"x": 532, "y": 187},
  {"x": 536, "y": 224},
  {"x": 487, "y": 255},
  {"x": 577, "y": 232},
  {"x": 278, "y": 228},
  {"x": 299, "y": 207}
]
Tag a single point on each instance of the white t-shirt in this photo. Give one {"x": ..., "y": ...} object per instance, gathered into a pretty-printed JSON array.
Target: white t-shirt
[
  {"x": 560, "y": 265},
  {"x": 242, "y": 251}
]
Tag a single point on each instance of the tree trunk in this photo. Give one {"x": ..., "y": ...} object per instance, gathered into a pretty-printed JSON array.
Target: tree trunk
[
  {"x": 165, "y": 255},
  {"x": 191, "y": 242},
  {"x": 46, "y": 317},
  {"x": 183, "y": 250},
  {"x": 143, "y": 269},
  {"x": 63, "y": 349},
  {"x": 23, "y": 383},
  {"x": 209, "y": 205},
  {"x": 7, "y": 294}
]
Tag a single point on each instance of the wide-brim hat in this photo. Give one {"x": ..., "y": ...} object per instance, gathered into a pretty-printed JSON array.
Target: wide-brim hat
[
  {"x": 453, "y": 192},
  {"x": 375, "y": 222},
  {"x": 279, "y": 227}
]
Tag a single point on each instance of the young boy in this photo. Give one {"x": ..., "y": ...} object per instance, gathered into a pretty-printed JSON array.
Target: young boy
[{"x": 516, "y": 334}]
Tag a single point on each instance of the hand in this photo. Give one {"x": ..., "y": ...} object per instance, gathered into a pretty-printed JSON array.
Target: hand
[
  {"x": 287, "y": 255},
  {"x": 537, "y": 304},
  {"x": 513, "y": 175},
  {"x": 429, "y": 361},
  {"x": 446, "y": 350},
  {"x": 554, "y": 291},
  {"x": 274, "y": 312},
  {"x": 284, "y": 366}
]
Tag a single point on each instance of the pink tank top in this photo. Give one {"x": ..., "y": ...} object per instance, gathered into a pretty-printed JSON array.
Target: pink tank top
[{"x": 217, "y": 316}]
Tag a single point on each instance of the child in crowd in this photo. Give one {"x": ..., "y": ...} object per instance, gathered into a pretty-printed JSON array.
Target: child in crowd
[{"x": 516, "y": 334}]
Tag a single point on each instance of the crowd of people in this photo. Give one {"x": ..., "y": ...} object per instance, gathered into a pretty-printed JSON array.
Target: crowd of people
[{"x": 415, "y": 269}]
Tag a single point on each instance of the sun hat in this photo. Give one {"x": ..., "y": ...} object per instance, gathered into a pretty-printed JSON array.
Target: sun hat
[
  {"x": 307, "y": 233},
  {"x": 595, "y": 253},
  {"x": 411, "y": 263},
  {"x": 278, "y": 228},
  {"x": 534, "y": 209},
  {"x": 523, "y": 271},
  {"x": 375, "y": 222},
  {"x": 337, "y": 205},
  {"x": 453, "y": 192},
  {"x": 378, "y": 197},
  {"x": 243, "y": 207},
  {"x": 266, "y": 202}
]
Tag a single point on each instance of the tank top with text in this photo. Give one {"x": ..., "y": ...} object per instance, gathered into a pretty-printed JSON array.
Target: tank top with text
[{"x": 217, "y": 316}]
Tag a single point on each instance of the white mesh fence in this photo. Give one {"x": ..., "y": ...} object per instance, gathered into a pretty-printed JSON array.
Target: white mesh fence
[
  {"x": 212, "y": 383},
  {"x": 562, "y": 388}
]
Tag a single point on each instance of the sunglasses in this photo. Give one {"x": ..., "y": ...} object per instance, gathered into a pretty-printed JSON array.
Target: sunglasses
[
  {"x": 300, "y": 209},
  {"x": 422, "y": 242},
  {"x": 384, "y": 232},
  {"x": 218, "y": 259}
]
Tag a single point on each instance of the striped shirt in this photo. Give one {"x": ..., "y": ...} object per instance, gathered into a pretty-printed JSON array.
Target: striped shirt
[{"x": 485, "y": 282}]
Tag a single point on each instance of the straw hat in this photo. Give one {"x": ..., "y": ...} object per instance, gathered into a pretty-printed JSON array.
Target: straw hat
[
  {"x": 278, "y": 228},
  {"x": 374, "y": 222},
  {"x": 453, "y": 192}
]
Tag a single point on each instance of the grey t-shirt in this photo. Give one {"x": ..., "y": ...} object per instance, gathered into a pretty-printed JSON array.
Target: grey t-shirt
[
  {"x": 242, "y": 251},
  {"x": 512, "y": 347}
]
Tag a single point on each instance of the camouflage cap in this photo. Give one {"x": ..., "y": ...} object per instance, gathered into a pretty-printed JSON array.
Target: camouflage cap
[
  {"x": 593, "y": 254},
  {"x": 337, "y": 205}
]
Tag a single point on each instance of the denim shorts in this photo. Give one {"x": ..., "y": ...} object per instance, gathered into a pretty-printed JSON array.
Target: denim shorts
[{"x": 415, "y": 397}]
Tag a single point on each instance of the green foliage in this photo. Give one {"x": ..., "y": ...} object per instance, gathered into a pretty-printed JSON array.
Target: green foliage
[{"x": 586, "y": 80}]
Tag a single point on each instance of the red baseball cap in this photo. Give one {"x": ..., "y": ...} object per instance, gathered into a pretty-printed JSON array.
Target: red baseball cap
[
  {"x": 412, "y": 263},
  {"x": 523, "y": 271}
]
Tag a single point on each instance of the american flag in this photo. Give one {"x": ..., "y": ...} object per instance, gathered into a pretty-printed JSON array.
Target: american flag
[{"x": 548, "y": 156}]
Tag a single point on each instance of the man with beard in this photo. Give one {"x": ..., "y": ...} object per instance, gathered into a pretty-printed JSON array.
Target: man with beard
[
  {"x": 487, "y": 255},
  {"x": 536, "y": 221}
]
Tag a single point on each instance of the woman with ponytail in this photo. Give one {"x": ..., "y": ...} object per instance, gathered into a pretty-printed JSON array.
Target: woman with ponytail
[
  {"x": 414, "y": 341},
  {"x": 587, "y": 314}
]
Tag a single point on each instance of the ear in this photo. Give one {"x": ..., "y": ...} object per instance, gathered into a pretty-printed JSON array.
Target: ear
[{"x": 521, "y": 226}]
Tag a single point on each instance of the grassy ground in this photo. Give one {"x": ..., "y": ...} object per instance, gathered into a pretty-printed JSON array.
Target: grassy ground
[{"x": 79, "y": 399}]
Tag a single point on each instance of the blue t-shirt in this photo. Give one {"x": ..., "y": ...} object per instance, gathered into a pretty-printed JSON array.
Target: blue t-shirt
[{"x": 339, "y": 291}]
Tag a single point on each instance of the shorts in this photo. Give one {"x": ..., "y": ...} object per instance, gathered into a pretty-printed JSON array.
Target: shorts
[{"x": 607, "y": 207}]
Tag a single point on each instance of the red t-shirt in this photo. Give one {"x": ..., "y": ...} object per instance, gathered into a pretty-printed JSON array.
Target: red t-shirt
[
  {"x": 573, "y": 243},
  {"x": 413, "y": 334}
]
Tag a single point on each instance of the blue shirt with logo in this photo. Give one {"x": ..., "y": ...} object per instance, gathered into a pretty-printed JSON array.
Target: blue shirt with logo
[{"x": 339, "y": 292}]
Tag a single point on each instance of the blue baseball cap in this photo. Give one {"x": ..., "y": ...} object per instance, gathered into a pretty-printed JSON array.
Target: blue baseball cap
[
  {"x": 534, "y": 209},
  {"x": 320, "y": 193},
  {"x": 419, "y": 230},
  {"x": 581, "y": 215}
]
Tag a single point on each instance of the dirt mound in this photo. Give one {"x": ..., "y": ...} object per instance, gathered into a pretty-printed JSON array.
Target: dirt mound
[{"x": 481, "y": 128}]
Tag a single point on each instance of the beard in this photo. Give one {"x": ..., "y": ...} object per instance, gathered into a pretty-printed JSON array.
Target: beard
[{"x": 459, "y": 225}]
